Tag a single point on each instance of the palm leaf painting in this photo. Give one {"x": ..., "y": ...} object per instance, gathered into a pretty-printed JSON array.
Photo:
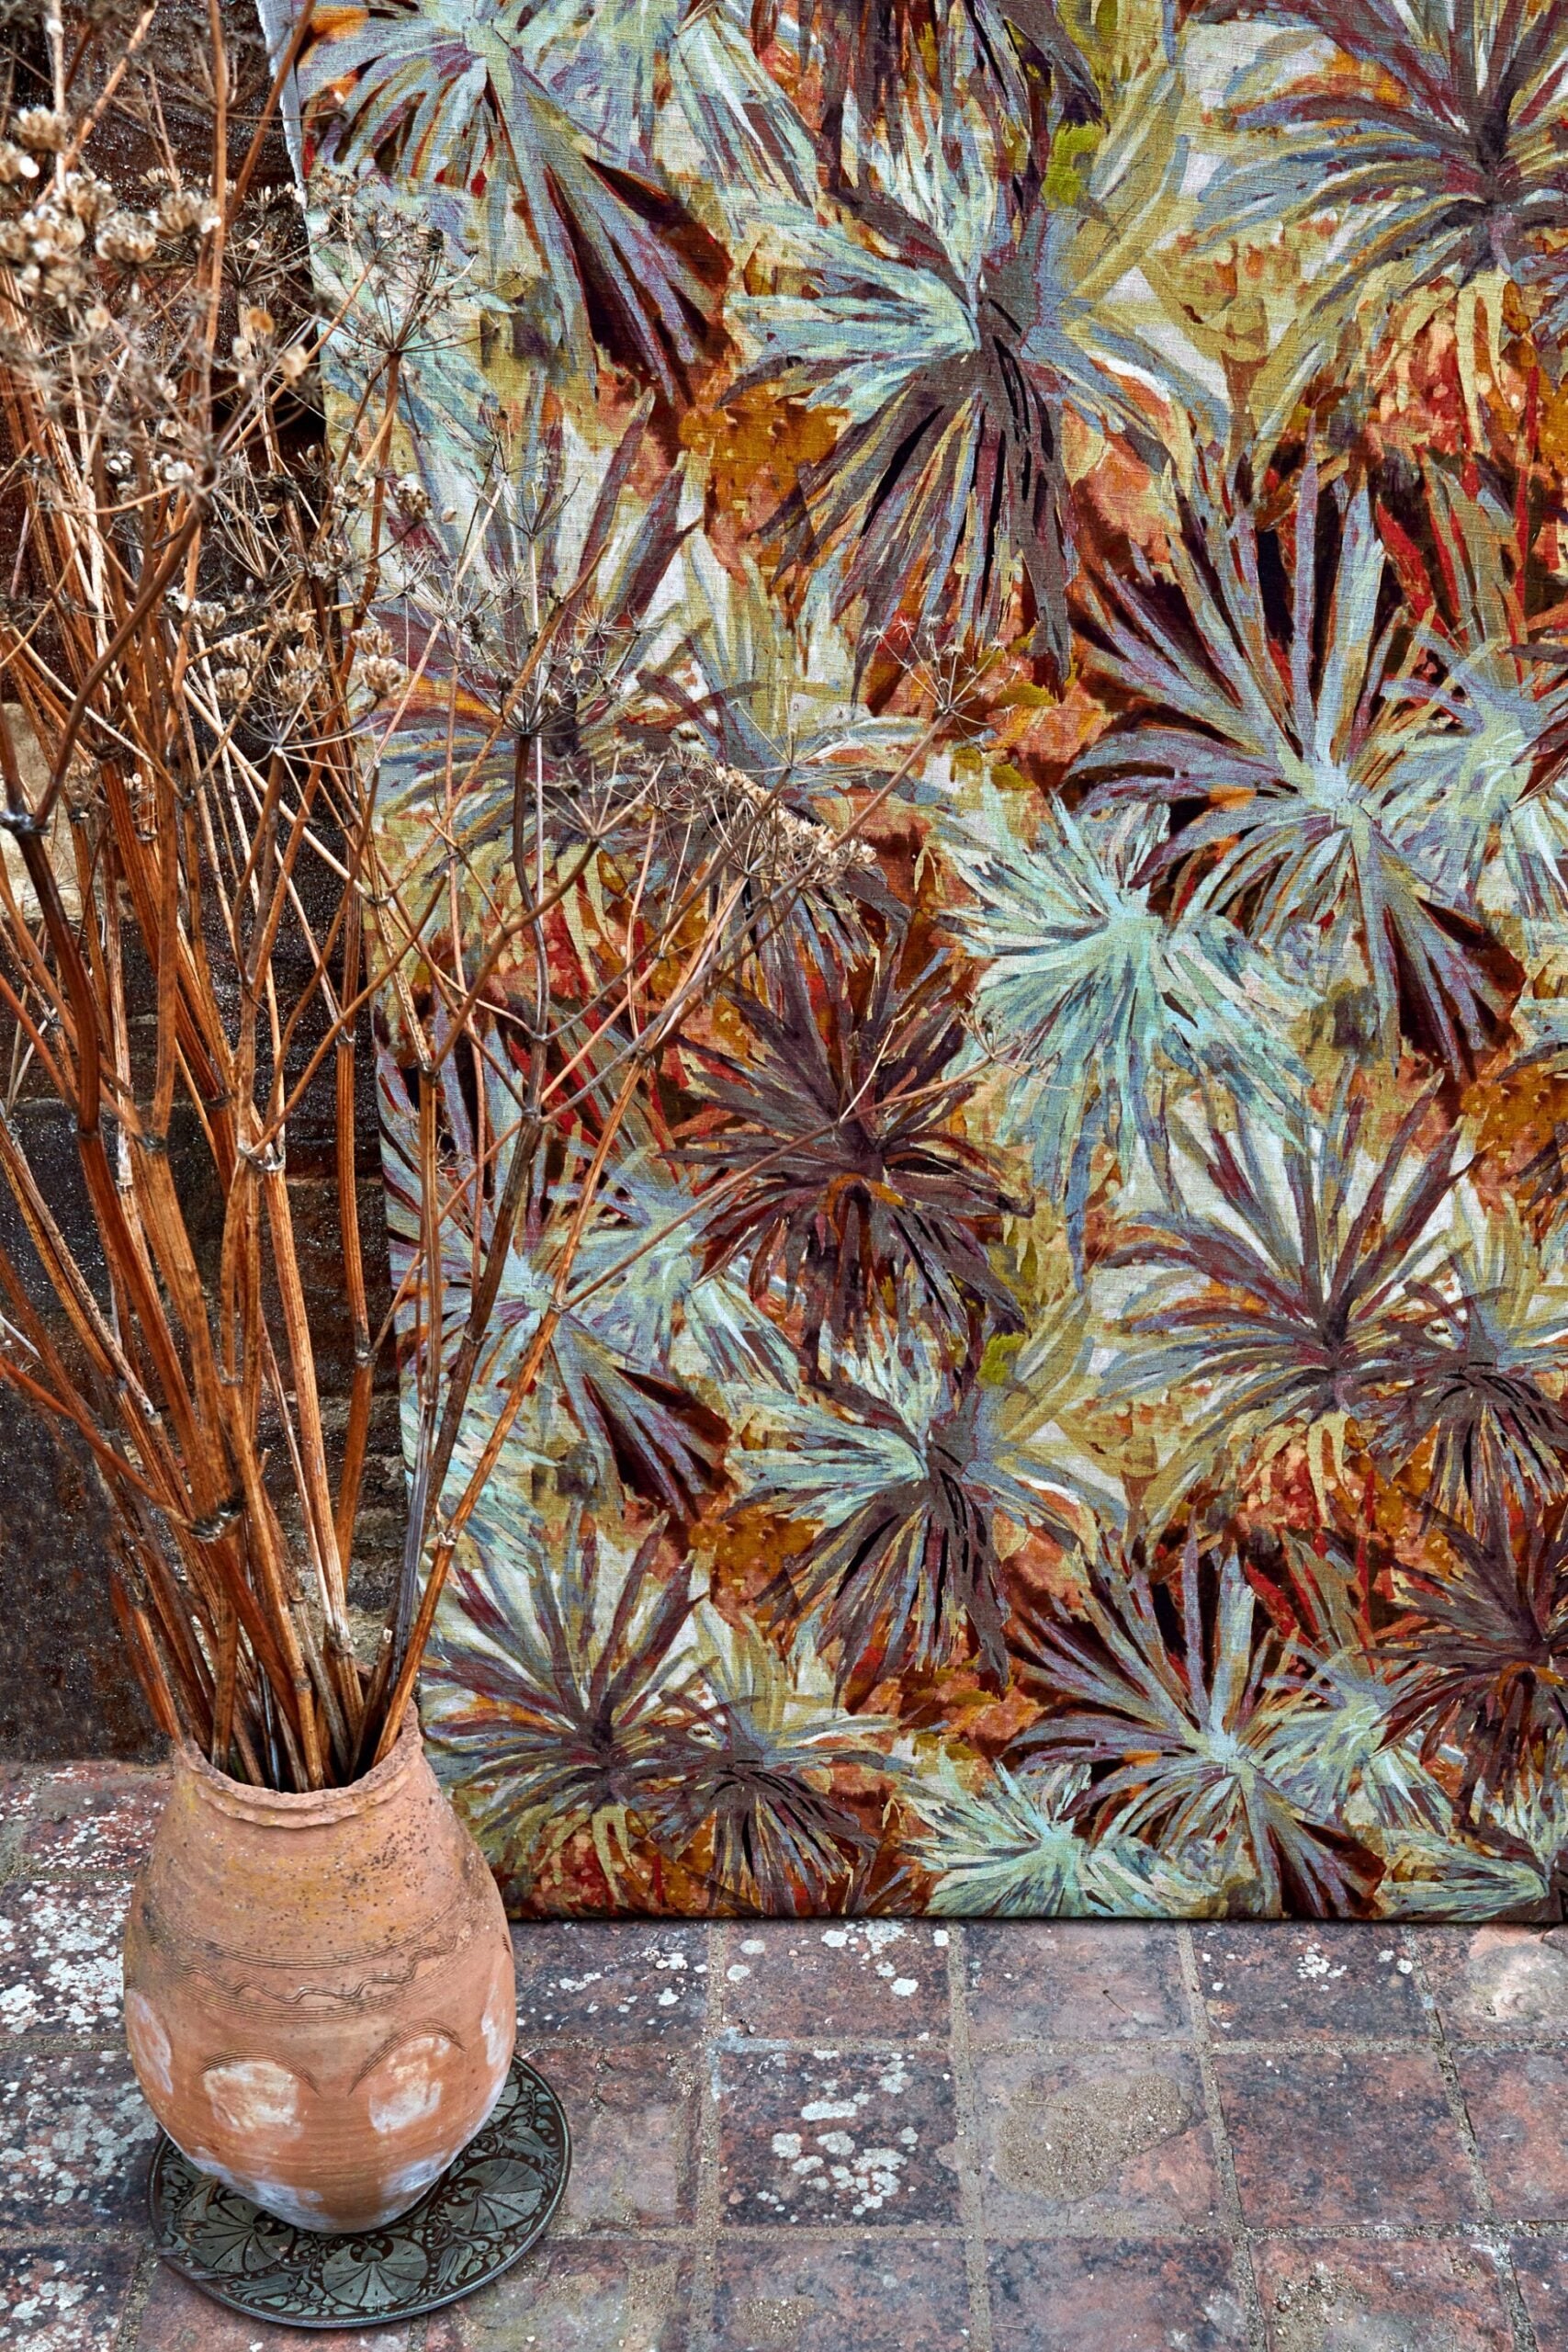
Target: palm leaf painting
[
  {"x": 1040, "y": 534},
  {"x": 1439, "y": 148}
]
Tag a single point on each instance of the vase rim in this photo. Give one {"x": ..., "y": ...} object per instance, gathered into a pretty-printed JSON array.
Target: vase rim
[{"x": 306, "y": 1808}]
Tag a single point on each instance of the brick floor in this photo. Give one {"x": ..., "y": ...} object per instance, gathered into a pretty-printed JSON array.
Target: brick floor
[{"x": 885, "y": 2136}]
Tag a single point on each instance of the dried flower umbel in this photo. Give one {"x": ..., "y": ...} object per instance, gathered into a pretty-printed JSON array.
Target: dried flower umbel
[{"x": 209, "y": 633}]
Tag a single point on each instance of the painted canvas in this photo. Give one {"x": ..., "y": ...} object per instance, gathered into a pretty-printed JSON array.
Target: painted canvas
[{"x": 1059, "y": 1405}]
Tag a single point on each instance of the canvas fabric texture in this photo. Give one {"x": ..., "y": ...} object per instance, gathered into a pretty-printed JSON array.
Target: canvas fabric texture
[{"x": 1074, "y": 1421}]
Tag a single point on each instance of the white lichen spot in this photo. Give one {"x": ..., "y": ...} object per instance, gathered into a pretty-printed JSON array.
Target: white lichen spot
[
  {"x": 496, "y": 2027},
  {"x": 249, "y": 2095},
  {"x": 406, "y": 2085},
  {"x": 407, "y": 2183},
  {"x": 149, "y": 2043},
  {"x": 787, "y": 2144},
  {"x": 304, "y": 2207}
]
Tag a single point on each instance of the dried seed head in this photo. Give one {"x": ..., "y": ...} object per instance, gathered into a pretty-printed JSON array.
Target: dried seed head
[
  {"x": 376, "y": 666},
  {"x": 182, "y": 209},
  {"x": 126, "y": 240},
  {"x": 40, "y": 128},
  {"x": 414, "y": 499},
  {"x": 15, "y": 165},
  {"x": 88, "y": 197}
]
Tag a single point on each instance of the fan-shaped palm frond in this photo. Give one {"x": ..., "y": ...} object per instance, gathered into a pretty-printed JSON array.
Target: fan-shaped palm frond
[
  {"x": 604, "y": 65},
  {"x": 756, "y": 1781},
  {"x": 643, "y": 1430},
  {"x": 1189, "y": 1732},
  {"x": 1483, "y": 813},
  {"x": 1301, "y": 756},
  {"x": 656, "y": 1307},
  {"x": 1339, "y": 1758},
  {"x": 903, "y": 1473},
  {"x": 445, "y": 88},
  {"x": 1509, "y": 1862},
  {"x": 1477, "y": 1373},
  {"x": 843, "y": 1177},
  {"x": 1099, "y": 1005},
  {"x": 1016, "y": 1848},
  {"x": 869, "y": 51},
  {"x": 1442, "y": 149},
  {"x": 565, "y": 1701},
  {"x": 949, "y": 335},
  {"x": 530, "y": 624},
  {"x": 1291, "y": 1287},
  {"x": 1486, "y": 1649}
]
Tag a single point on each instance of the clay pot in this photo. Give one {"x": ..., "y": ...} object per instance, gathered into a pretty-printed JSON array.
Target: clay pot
[{"x": 319, "y": 1988}]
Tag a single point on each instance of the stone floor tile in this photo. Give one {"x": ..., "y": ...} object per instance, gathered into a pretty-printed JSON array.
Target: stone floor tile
[
  {"x": 1113, "y": 2141},
  {"x": 810, "y": 2295},
  {"x": 1321, "y": 2139},
  {"x": 604, "y": 1982},
  {"x": 1367, "y": 2295},
  {"x": 64, "y": 2298},
  {"x": 1511, "y": 1982},
  {"x": 1541, "y": 2268},
  {"x": 60, "y": 1967},
  {"x": 1082, "y": 1981},
  {"x": 75, "y": 2133},
  {"x": 606, "y": 2296},
  {"x": 633, "y": 2114},
  {"x": 93, "y": 1817},
  {"x": 178, "y": 2318},
  {"x": 805, "y": 1980},
  {"x": 1272, "y": 1981},
  {"x": 1116, "y": 2295},
  {"x": 835, "y": 2140},
  {"x": 1518, "y": 2101},
  {"x": 16, "y": 1785}
]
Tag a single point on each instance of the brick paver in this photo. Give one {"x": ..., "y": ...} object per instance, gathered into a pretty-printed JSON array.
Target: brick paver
[{"x": 867, "y": 2135}]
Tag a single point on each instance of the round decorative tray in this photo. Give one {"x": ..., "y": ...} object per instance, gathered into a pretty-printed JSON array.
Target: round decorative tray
[{"x": 480, "y": 2217}]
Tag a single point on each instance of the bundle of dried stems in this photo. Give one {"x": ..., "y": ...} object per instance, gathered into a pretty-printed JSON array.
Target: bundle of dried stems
[{"x": 198, "y": 902}]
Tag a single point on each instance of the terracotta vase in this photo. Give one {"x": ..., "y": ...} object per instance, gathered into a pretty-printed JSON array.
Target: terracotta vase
[{"x": 319, "y": 1988}]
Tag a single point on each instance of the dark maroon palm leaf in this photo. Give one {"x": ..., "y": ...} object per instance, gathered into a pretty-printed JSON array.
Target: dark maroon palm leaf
[
  {"x": 563, "y": 1721},
  {"x": 1485, "y": 1650},
  {"x": 781, "y": 1847},
  {"x": 1306, "y": 1311},
  {"x": 1188, "y": 1712},
  {"x": 862, "y": 1203},
  {"x": 867, "y": 49},
  {"x": 1492, "y": 1427},
  {"x": 926, "y": 503}
]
